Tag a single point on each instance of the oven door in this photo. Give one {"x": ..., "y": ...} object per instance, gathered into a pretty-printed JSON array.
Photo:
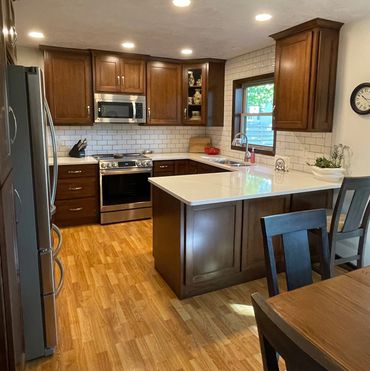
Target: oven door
[{"x": 124, "y": 189}]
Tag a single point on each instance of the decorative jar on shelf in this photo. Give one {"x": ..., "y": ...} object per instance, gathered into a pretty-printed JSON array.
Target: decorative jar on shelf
[
  {"x": 197, "y": 97},
  {"x": 191, "y": 78}
]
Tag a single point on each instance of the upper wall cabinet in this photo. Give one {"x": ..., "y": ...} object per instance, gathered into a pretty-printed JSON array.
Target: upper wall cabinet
[
  {"x": 68, "y": 85},
  {"x": 203, "y": 93},
  {"x": 164, "y": 93},
  {"x": 116, "y": 74},
  {"x": 305, "y": 76}
]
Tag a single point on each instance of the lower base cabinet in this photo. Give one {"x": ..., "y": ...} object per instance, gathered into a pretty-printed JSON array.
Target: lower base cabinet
[
  {"x": 183, "y": 167},
  {"x": 77, "y": 199},
  {"x": 198, "y": 249}
]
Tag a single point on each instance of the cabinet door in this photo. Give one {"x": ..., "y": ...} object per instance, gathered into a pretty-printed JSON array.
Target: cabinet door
[
  {"x": 217, "y": 255},
  {"x": 164, "y": 93},
  {"x": 253, "y": 256},
  {"x": 5, "y": 148},
  {"x": 107, "y": 73},
  {"x": 68, "y": 83},
  {"x": 133, "y": 76},
  {"x": 292, "y": 81},
  {"x": 194, "y": 94},
  {"x": 181, "y": 167},
  {"x": 10, "y": 276}
]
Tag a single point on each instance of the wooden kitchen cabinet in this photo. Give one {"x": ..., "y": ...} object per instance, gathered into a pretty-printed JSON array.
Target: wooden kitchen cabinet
[
  {"x": 218, "y": 254},
  {"x": 68, "y": 85},
  {"x": 116, "y": 74},
  {"x": 203, "y": 93},
  {"x": 164, "y": 93},
  {"x": 183, "y": 167},
  {"x": 77, "y": 198},
  {"x": 305, "y": 76}
]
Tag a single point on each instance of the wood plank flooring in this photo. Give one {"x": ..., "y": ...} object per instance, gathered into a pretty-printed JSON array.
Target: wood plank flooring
[{"x": 116, "y": 313}]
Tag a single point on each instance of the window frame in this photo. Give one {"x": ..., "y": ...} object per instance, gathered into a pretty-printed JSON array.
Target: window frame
[{"x": 237, "y": 116}]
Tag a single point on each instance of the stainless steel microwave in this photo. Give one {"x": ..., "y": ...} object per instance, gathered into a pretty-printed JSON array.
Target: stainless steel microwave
[{"x": 119, "y": 108}]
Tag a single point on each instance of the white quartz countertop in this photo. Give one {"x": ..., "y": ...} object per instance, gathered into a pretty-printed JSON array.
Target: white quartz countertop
[
  {"x": 244, "y": 183},
  {"x": 74, "y": 161}
]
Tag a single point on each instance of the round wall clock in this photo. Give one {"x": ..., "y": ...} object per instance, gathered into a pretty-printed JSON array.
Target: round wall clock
[{"x": 360, "y": 99}]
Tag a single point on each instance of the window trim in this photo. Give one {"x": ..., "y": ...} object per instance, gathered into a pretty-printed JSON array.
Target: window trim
[{"x": 239, "y": 84}]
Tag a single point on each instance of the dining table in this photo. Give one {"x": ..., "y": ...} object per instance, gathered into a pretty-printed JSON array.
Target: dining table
[{"x": 334, "y": 315}]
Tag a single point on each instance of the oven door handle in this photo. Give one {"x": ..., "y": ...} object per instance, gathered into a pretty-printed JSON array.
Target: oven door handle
[
  {"x": 125, "y": 171},
  {"x": 134, "y": 110}
]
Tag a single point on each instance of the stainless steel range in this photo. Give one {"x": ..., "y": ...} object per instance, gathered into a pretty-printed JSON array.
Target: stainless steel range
[{"x": 125, "y": 192}]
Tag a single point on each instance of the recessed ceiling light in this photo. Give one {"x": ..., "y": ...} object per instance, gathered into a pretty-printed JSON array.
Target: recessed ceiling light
[
  {"x": 36, "y": 35},
  {"x": 186, "y": 51},
  {"x": 263, "y": 17},
  {"x": 181, "y": 3},
  {"x": 128, "y": 45}
]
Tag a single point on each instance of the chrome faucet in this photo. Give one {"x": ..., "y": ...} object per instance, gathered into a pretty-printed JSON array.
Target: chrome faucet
[{"x": 241, "y": 135}]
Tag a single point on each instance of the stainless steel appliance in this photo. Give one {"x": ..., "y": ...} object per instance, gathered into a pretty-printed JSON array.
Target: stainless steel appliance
[
  {"x": 125, "y": 192},
  {"x": 119, "y": 108},
  {"x": 37, "y": 250}
]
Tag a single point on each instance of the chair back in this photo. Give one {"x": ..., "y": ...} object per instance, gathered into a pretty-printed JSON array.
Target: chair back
[
  {"x": 356, "y": 216},
  {"x": 277, "y": 336},
  {"x": 294, "y": 228}
]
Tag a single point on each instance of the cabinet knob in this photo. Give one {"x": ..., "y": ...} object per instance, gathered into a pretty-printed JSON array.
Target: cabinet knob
[
  {"x": 119, "y": 80},
  {"x": 88, "y": 110},
  {"x": 123, "y": 80}
]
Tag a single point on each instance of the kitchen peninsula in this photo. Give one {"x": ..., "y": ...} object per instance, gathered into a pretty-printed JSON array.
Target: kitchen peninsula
[{"x": 206, "y": 227}]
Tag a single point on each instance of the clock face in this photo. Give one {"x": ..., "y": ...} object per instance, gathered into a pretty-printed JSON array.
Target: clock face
[{"x": 360, "y": 99}]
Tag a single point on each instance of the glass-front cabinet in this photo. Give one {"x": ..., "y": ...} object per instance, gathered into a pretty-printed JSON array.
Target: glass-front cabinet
[{"x": 194, "y": 94}]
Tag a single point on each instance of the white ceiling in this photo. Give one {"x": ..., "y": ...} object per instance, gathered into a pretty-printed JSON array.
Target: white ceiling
[{"x": 212, "y": 28}]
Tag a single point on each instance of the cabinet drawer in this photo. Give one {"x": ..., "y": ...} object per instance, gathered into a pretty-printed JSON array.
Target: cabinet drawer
[
  {"x": 77, "y": 211},
  {"x": 77, "y": 188},
  {"x": 76, "y": 171},
  {"x": 163, "y": 168}
]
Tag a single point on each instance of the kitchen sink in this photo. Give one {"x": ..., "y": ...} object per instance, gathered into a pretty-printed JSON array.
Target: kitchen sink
[{"x": 227, "y": 162}]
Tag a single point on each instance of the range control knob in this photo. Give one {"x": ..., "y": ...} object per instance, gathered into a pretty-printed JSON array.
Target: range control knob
[
  {"x": 139, "y": 163},
  {"x": 115, "y": 164},
  {"x": 103, "y": 165}
]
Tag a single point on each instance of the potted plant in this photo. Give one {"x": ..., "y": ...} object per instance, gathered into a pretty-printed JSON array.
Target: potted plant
[{"x": 330, "y": 169}]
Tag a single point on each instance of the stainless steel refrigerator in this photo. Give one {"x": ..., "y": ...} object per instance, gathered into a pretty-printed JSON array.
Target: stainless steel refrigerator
[{"x": 38, "y": 246}]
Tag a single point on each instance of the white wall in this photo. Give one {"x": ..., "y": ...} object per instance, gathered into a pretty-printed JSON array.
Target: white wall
[
  {"x": 300, "y": 147},
  {"x": 349, "y": 127},
  {"x": 353, "y": 69}
]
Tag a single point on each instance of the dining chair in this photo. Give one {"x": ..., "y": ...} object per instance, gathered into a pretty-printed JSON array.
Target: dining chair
[
  {"x": 278, "y": 338},
  {"x": 293, "y": 228},
  {"x": 352, "y": 223}
]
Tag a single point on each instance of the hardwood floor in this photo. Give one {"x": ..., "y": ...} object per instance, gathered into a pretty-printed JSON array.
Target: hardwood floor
[{"x": 116, "y": 313}]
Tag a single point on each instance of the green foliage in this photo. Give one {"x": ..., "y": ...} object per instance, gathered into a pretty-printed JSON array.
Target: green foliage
[
  {"x": 260, "y": 95},
  {"x": 335, "y": 160}
]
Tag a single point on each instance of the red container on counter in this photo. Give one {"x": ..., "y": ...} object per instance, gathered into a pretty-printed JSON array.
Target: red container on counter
[{"x": 212, "y": 150}]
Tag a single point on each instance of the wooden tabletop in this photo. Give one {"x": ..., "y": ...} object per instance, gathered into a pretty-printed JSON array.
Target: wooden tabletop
[{"x": 334, "y": 315}]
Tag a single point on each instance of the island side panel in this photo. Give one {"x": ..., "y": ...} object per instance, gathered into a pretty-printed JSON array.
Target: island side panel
[
  {"x": 168, "y": 238},
  {"x": 213, "y": 247}
]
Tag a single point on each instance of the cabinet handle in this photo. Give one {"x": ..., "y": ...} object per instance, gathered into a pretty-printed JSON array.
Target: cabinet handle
[
  {"x": 88, "y": 110},
  {"x": 119, "y": 80},
  {"x": 123, "y": 80},
  {"x": 75, "y": 188},
  {"x": 12, "y": 140},
  {"x": 163, "y": 166},
  {"x": 149, "y": 113},
  {"x": 74, "y": 171},
  {"x": 76, "y": 209},
  {"x": 185, "y": 113}
]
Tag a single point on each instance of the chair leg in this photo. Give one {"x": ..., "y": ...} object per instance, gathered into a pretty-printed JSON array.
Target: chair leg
[
  {"x": 269, "y": 355},
  {"x": 332, "y": 257}
]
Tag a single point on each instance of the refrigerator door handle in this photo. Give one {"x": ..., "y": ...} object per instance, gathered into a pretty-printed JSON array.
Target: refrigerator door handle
[
  {"x": 55, "y": 153},
  {"x": 60, "y": 240},
  {"x": 18, "y": 209},
  {"x": 61, "y": 279},
  {"x": 12, "y": 140}
]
